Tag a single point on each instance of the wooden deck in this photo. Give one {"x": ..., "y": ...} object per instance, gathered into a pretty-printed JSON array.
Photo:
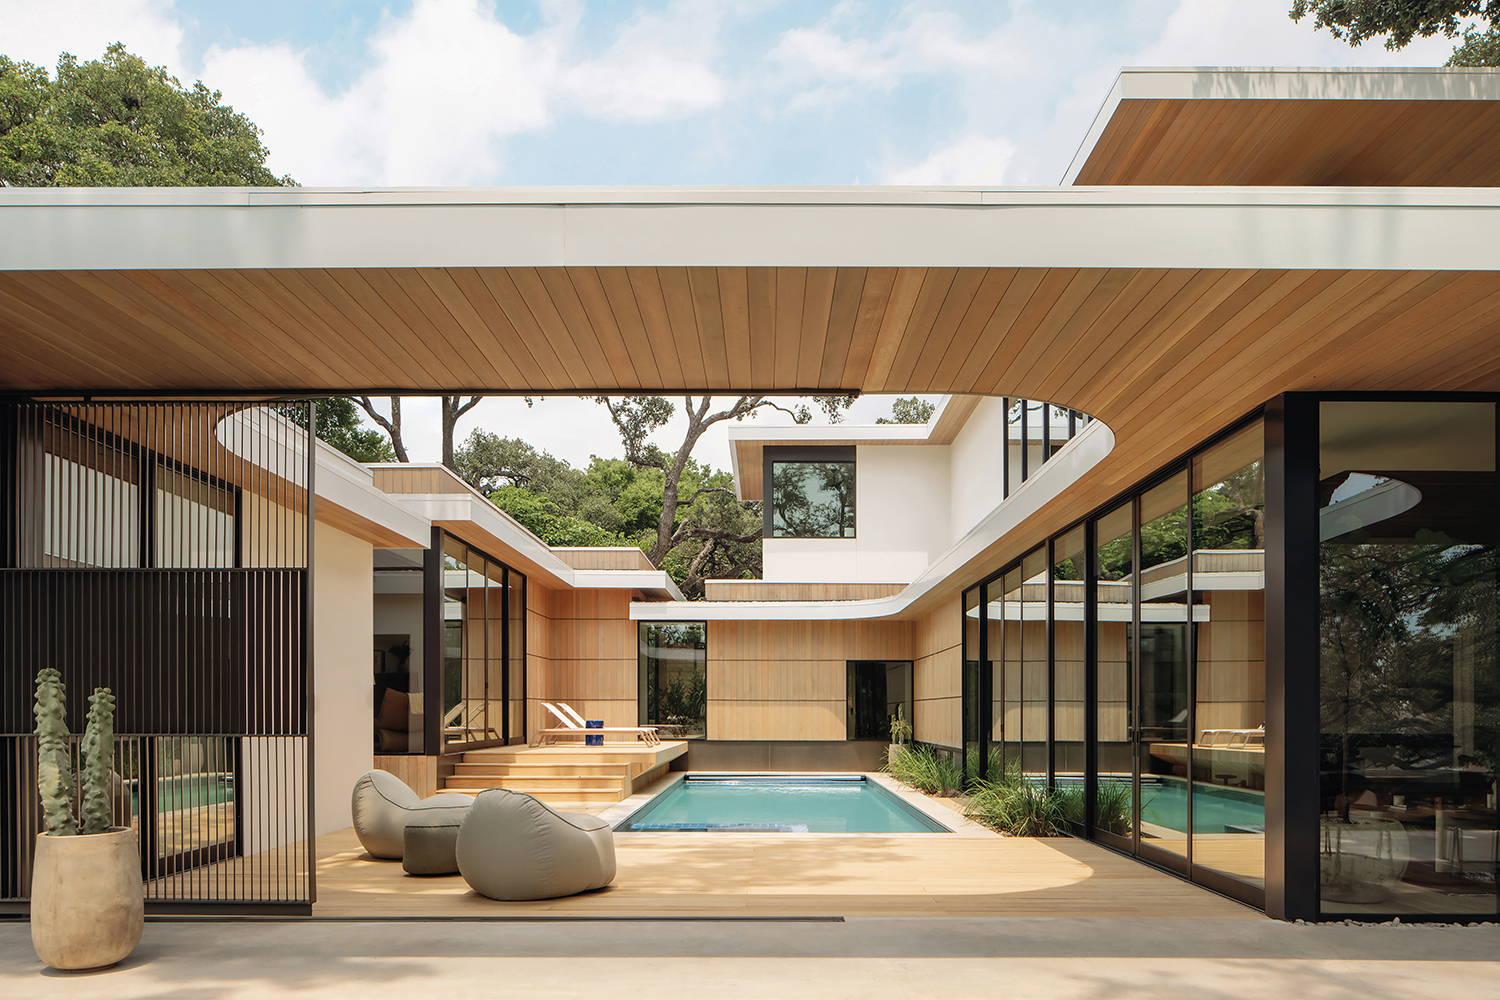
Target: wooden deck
[{"x": 769, "y": 875}]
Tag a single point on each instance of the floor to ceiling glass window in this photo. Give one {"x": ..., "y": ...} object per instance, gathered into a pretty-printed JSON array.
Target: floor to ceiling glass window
[
  {"x": 1229, "y": 612},
  {"x": 1068, "y": 666},
  {"x": 479, "y": 647},
  {"x": 1114, "y": 647},
  {"x": 1410, "y": 734},
  {"x": 1003, "y": 631},
  {"x": 1033, "y": 664},
  {"x": 1161, "y": 729},
  {"x": 970, "y": 686},
  {"x": 674, "y": 678}
]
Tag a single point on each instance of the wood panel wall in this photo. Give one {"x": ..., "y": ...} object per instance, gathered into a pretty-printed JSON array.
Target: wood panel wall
[
  {"x": 421, "y": 479},
  {"x": 786, "y": 680},
  {"x": 581, "y": 650},
  {"x": 625, "y": 557},
  {"x": 937, "y": 648},
  {"x": 771, "y": 590}
]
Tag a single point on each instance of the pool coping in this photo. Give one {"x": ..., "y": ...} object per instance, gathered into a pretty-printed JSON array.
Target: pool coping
[{"x": 949, "y": 818}]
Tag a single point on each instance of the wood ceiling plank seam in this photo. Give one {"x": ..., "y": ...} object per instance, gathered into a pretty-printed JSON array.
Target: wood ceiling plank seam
[
  {"x": 1422, "y": 359},
  {"x": 358, "y": 344},
  {"x": 589, "y": 288},
  {"x": 510, "y": 372},
  {"x": 1214, "y": 133},
  {"x": 554, "y": 302},
  {"x": 27, "y": 346},
  {"x": 1476, "y": 151},
  {"x": 995, "y": 379},
  {"x": 363, "y": 308},
  {"x": 848, "y": 290},
  {"x": 1050, "y": 378},
  {"x": 708, "y": 312},
  {"x": 1147, "y": 139},
  {"x": 1362, "y": 160},
  {"x": 760, "y": 296},
  {"x": 1086, "y": 298},
  {"x": 414, "y": 284},
  {"x": 1319, "y": 137},
  {"x": 88, "y": 293},
  {"x": 1244, "y": 126},
  {"x": 791, "y": 294},
  {"x": 817, "y": 312},
  {"x": 955, "y": 305},
  {"x": 1214, "y": 313},
  {"x": 64, "y": 329},
  {"x": 971, "y": 327},
  {"x": 734, "y": 316},
  {"x": 873, "y": 302},
  {"x": 1115, "y": 170},
  {"x": 996, "y": 332},
  {"x": 237, "y": 294},
  {"x": 677, "y": 294},
  {"x": 1116, "y": 131},
  {"x": 915, "y": 336},
  {"x": 905, "y": 290},
  {"x": 189, "y": 300},
  {"x": 621, "y": 299},
  {"x": 1083, "y": 381},
  {"x": 1438, "y": 126},
  {"x": 390, "y": 287},
  {"x": 280, "y": 303},
  {"x": 1178, "y": 139},
  {"x": 1460, "y": 138},
  {"x": 1463, "y": 352},
  {"x": 650, "y": 299},
  {"x": 1484, "y": 373},
  {"x": 512, "y": 305},
  {"x": 1392, "y": 322}
]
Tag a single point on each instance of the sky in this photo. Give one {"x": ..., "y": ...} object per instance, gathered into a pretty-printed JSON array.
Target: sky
[{"x": 478, "y": 92}]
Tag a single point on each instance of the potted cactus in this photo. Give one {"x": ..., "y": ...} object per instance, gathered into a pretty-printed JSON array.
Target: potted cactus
[
  {"x": 900, "y": 734},
  {"x": 87, "y": 906}
]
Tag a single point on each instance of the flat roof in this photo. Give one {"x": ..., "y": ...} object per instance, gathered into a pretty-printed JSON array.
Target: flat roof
[{"x": 1295, "y": 126}]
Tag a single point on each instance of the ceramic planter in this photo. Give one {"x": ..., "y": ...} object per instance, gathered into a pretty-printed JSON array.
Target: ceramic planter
[{"x": 87, "y": 904}]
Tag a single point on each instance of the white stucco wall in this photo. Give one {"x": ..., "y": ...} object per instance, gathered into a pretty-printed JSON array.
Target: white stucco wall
[
  {"x": 901, "y": 523},
  {"x": 343, "y": 688},
  {"x": 978, "y": 473}
]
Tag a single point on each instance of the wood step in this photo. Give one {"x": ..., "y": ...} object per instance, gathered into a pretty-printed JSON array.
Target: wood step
[
  {"x": 555, "y": 795},
  {"x": 541, "y": 783},
  {"x": 527, "y": 770}
]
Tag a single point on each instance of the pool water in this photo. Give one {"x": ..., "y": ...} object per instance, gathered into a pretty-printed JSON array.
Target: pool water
[
  {"x": 777, "y": 804},
  {"x": 1215, "y": 809},
  {"x": 186, "y": 792}
]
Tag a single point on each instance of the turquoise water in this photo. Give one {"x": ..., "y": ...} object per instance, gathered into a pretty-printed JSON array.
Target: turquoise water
[
  {"x": 780, "y": 805},
  {"x": 186, "y": 792},
  {"x": 1215, "y": 808}
]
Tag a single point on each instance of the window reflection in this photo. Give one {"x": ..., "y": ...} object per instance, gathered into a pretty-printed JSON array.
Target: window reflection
[
  {"x": 1114, "y": 628},
  {"x": 812, "y": 499}
]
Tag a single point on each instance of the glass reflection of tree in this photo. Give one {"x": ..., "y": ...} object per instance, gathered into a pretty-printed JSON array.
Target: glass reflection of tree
[
  {"x": 1396, "y": 619},
  {"x": 813, "y": 499}
]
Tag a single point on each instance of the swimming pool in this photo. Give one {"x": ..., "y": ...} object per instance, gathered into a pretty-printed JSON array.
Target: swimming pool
[
  {"x": 1216, "y": 809},
  {"x": 186, "y": 791},
  {"x": 740, "y": 803}
]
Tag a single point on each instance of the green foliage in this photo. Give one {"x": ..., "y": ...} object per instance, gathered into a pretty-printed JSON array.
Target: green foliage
[
  {"x": 1479, "y": 48},
  {"x": 116, "y": 122},
  {"x": 1020, "y": 808},
  {"x": 488, "y": 461},
  {"x": 339, "y": 425},
  {"x": 54, "y": 767},
  {"x": 1399, "y": 20},
  {"x": 909, "y": 410},
  {"x": 925, "y": 768},
  {"x": 1112, "y": 806},
  {"x": 542, "y": 517},
  {"x": 98, "y": 762},
  {"x": 901, "y": 731},
  {"x": 685, "y": 700}
]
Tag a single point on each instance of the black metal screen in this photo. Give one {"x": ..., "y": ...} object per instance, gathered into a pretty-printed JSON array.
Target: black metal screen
[{"x": 164, "y": 550}]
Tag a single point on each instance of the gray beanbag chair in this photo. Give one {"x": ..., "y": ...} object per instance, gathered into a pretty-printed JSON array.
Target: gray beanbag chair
[
  {"x": 383, "y": 804},
  {"x": 510, "y": 846}
]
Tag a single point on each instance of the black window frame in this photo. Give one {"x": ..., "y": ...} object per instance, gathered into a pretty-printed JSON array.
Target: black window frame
[{"x": 772, "y": 455}]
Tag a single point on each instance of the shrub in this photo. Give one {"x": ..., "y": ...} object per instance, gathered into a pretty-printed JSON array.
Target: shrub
[
  {"x": 1021, "y": 808},
  {"x": 925, "y": 769}
]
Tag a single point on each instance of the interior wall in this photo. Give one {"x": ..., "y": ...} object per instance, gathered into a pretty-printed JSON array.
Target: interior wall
[
  {"x": 787, "y": 680},
  {"x": 588, "y": 657},
  {"x": 343, "y": 686},
  {"x": 937, "y": 648}
]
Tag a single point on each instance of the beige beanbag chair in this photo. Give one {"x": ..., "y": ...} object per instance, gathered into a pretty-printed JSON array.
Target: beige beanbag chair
[
  {"x": 383, "y": 804},
  {"x": 510, "y": 846}
]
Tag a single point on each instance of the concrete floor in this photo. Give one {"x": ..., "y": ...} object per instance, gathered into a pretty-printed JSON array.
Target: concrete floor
[{"x": 1056, "y": 959}]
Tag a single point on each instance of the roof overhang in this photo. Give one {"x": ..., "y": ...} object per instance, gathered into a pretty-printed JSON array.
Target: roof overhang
[{"x": 1303, "y": 126}]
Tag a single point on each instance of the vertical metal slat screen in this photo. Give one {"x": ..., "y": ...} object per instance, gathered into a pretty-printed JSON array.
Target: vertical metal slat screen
[{"x": 163, "y": 550}]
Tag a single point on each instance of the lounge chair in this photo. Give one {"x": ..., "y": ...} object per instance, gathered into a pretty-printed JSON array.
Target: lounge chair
[
  {"x": 510, "y": 846},
  {"x": 573, "y": 725},
  {"x": 463, "y": 725},
  {"x": 383, "y": 805}
]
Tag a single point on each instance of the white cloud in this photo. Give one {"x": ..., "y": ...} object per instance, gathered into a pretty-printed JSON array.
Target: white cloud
[
  {"x": 973, "y": 159},
  {"x": 658, "y": 68},
  {"x": 36, "y": 31}
]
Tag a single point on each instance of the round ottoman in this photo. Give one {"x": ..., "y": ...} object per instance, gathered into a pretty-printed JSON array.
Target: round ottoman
[{"x": 431, "y": 847}]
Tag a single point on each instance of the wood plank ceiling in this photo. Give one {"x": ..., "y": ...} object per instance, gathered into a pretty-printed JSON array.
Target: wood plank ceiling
[{"x": 1298, "y": 142}]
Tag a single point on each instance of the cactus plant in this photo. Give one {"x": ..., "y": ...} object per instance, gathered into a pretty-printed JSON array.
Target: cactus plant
[
  {"x": 54, "y": 763},
  {"x": 97, "y": 762},
  {"x": 54, "y": 773}
]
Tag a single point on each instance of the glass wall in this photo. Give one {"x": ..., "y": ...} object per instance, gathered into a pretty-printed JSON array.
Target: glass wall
[
  {"x": 1068, "y": 667},
  {"x": 1162, "y": 654},
  {"x": 970, "y": 680},
  {"x": 1114, "y": 649},
  {"x": 1229, "y": 628},
  {"x": 1409, "y": 685},
  {"x": 479, "y": 647},
  {"x": 674, "y": 678},
  {"x": 399, "y": 651}
]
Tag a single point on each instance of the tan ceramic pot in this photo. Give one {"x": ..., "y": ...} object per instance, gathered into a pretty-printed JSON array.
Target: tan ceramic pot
[{"x": 87, "y": 905}]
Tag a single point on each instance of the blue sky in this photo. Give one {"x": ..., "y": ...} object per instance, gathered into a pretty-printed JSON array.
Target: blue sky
[{"x": 428, "y": 92}]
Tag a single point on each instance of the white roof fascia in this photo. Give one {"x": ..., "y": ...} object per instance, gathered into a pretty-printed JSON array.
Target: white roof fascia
[
  {"x": 1303, "y": 83},
  {"x": 1366, "y": 228},
  {"x": 1075, "y": 458},
  {"x": 474, "y": 508}
]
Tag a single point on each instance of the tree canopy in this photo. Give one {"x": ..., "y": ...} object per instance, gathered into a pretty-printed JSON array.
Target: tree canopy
[
  {"x": 1399, "y": 21},
  {"x": 116, "y": 122},
  {"x": 909, "y": 410}
]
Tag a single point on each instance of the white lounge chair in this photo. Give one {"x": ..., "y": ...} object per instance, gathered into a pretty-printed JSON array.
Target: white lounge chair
[{"x": 573, "y": 725}]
